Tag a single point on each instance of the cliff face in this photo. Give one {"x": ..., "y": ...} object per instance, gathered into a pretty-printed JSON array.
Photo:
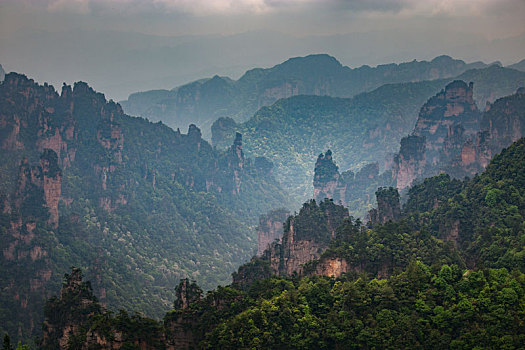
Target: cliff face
[
  {"x": 452, "y": 136},
  {"x": 68, "y": 316},
  {"x": 236, "y": 162},
  {"x": 270, "y": 229},
  {"x": 452, "y": 106},
  {"x": 69, "y": 322},
  {"x": 347, "y": 188},
  {"x": 306, "y": 236},
  {"x": 95, "y": 183},
  {"x": 388, "y": 206},
  {"x": 326, "y": 179},
  {"x": 410, "y": 162},
  {"x": 443, "y": 124},
  {"x": 505, "y": 120}
]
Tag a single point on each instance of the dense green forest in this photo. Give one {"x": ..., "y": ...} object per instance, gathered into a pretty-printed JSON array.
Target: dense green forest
[
  {"x": 135, "y": 204},
  {"x": 365, "y": 129},
  {"x": 410, "y": 283}
]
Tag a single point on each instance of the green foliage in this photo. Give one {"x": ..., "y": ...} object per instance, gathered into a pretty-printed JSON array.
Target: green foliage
[
  {"x": 6, "y": 344},
  {"x": 141, "y": 205},
  {"x": 365, "y": 129},
  {"x": 431, "y": 192},
  {"x": 417, "y": 308},
  {"x": 408, "y": 285},
  {"x": 314, "y": 222}
]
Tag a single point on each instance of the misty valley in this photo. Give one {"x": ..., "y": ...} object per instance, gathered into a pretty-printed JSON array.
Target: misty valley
[{"x": 304, "y": 206}]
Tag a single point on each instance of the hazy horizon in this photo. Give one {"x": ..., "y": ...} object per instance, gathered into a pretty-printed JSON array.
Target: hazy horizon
[{"x": 124, "y": 46}]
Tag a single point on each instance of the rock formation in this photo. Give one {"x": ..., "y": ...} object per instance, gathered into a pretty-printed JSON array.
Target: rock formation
[
  {"x": 326, "y": 178},
  {"x": 68, "y": 316},
  {"x": 270, "y": 229},
  {"x": 306, "y": 236},
  {"x": 388, "y": 206},
  {"x": 452, "y": 136},
  {"x": 409, "y": 163},
  {"x": 236, "y": 162},
  {"x": 452, "y": 106},
  {"x": 87, "y": 185},
  {"x": 347, "y": 187}
]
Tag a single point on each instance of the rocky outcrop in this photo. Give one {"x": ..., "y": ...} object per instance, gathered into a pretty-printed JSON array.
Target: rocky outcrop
[
  {"x": 505, "y": 120},
  {"x": 69, "y": 322},
  {"x": 306, "y": 236},
  {"x": 68, "y": 316},
  {"x": 93, "y": 192},
  {"x": 388, "y": 206},
  {"x": 270, "y": 229},
  {"x": 347, "y": 187},
  {"x": 326, "y": 179},
  {"x": 51, "y": 184},
  {"x": 236, "y": 162},
  {"x": 453, "y": 105},
  {"x": 221, "y": 132},
  {"x": 443, "y": 124},
  {"x": 409, "y": 163},
  {"x": 458, "y": 139},
  {"x": 331, "y": 267},
  {"x": 187, "y": 293}
]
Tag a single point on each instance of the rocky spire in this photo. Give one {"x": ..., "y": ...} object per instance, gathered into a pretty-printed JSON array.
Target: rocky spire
[
  {"x": 453, "y": 105},
  {"x": 187, "y": 293},
  {"x": 388, "y": 206},
  {"x": 326, "y": 177}
]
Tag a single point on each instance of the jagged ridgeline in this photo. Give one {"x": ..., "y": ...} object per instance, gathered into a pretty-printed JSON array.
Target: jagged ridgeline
[
  {"x": 451, "y": 135},
  {"x": 205, "y": 100},
  {"x": 447, "y": 271},
  {"x": 136, "y": 205},
  {"x": 361, "y": 130}
]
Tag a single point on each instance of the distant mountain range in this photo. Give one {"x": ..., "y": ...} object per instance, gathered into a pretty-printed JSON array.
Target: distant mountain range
[
  {"x": 360, "y": 130},
  {"x": 205, "y": 100}
]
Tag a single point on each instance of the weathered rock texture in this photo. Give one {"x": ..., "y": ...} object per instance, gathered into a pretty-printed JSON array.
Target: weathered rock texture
[
  {"x": 306, "y": 236},
  {"x": 450, "y": 107},
  {"x": 345, "y": 188},
  {"x": 270, "y": 229},
  {"x": 451, "y": 135},
  {"x": 388, "y": 206},
  {"x": 410, "y": 162},
  {"x": 79, "y": 182}
]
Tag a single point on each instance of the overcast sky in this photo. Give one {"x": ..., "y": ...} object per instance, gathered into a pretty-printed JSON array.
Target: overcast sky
[{"x": 176, "y": 40}]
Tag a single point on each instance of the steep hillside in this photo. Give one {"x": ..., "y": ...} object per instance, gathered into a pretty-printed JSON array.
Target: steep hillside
[
  {"x": 203, "y": 101},
  {"x": 408, "y": 283},
  {"x": 365, "y": 129},
  {"x": 135, "y": 204},
  {"x": 452, "y": 136}
]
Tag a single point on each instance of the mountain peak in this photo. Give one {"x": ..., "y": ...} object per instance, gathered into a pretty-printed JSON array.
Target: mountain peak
[{"x": 322, "y": 62}]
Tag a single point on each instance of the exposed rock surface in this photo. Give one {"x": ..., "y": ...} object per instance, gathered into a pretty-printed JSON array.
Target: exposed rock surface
[
  {"x": 388, "y": 206},
  {"x": 306, "y": 236},
  {"x": 452, "y": 136},
  {"x": 452, "y": 106},
  {"x": 270, "y": 229},
  {"x": 326, "y": 179},
  {"x": 410, "y": 162},
  {"x": 84, "y": 194},
  {"x": 345, "y": 188}
]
